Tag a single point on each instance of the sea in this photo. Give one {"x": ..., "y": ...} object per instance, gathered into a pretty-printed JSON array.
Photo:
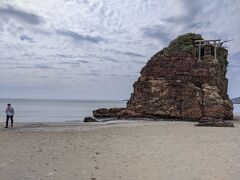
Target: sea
[{"x": 41, "y": 110}]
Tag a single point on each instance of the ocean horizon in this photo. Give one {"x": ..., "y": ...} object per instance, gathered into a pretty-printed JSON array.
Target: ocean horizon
[{"x": 54, "y": 110}]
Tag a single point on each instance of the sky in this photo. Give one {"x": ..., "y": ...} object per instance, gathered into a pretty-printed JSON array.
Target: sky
[{"x": 95, "y": 49}]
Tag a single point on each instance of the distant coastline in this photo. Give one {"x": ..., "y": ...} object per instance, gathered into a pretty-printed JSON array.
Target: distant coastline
[{"x": 236, "y": 100}]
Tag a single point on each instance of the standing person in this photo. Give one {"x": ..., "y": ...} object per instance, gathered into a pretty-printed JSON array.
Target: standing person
[{"x": 9, "y": 114}]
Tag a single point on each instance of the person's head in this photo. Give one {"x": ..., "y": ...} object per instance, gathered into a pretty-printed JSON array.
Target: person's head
[{"x": 9, "y": 105}]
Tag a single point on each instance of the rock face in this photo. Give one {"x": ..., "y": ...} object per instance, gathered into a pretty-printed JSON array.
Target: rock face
[
  {"x": 116, "y": 113},
  {"x": 174, "y": 84},
  {"x": 213, "y": 122},
  {"x": 89, "y": 119}
]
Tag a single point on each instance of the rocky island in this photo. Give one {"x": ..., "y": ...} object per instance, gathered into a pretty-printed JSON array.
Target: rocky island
[{"x": 184, "y": 81}]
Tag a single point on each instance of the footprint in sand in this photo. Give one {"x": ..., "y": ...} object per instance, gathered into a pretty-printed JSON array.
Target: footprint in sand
[
  {"x": 94, "y": 158},
  {"x": 2, "y": 165},
  {"x": 50, "y": 173}
]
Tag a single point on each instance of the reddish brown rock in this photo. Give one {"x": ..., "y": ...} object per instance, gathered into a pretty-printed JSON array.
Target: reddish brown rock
[
  {"x": 116, "y": 113},
  {"x": 126, "y": 113},
  {"x": 213, "y": 122},
  {"x": 107, "y": 113},
  {"x": 89, "y": 119},
  {"x": 175, "y": 84}
]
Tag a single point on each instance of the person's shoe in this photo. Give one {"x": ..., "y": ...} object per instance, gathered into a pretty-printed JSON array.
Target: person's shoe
[
  {"x": 11, "y": 125},
  {"x": 6, "y": 127}
]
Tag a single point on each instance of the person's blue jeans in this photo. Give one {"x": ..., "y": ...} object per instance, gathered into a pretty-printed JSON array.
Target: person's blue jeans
[{"x": 7, "y": 119}]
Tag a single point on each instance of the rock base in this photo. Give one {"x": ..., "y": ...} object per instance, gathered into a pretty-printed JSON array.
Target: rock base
[
  {"x": 90, "y": 119},
  {"x": 119, "y": 113},
  {"x": 213, "y": 122}
]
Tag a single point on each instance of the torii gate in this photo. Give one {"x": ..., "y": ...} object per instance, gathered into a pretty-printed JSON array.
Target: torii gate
[{"x": 202, "y": 43}]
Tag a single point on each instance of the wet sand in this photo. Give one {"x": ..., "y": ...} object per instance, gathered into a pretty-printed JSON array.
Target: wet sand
[{"x": 124, "y": 150}]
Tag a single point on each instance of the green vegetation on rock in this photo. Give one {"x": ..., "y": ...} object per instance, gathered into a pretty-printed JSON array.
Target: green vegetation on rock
[{"x": 184, "y": 43}]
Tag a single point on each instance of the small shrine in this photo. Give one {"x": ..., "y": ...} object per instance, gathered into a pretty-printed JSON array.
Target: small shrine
[{"x": 207, "y": 48}]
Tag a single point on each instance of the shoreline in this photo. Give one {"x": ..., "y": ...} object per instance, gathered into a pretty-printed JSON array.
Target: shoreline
[
  {"x": 103, "y": 121},
  {"x": 107, "y": 123}
]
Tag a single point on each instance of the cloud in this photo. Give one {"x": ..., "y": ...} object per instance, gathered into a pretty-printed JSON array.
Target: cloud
[
  {"x": 191, "y": 10},
  {"x": 26, "y": 38},
  {"x": 157, "y": 32},
  {"x": 127, "y": 53},
  {"x": 138, "y": 62},
  {"x": 27, "y": 17},
  {"x": 134, "y": 54},
  {"x": 199, "y": 25},
  {"x": 109, "y": 75},
  {"x": 83, "y": 61},
  {"x": 121, "y": 75},
  {"x": 104, "y": 58},
  {"x": 41, "y": 58},
  {"x": 67, "y": 62},
  {"x": 40, "y": 66},
  {"x": 64, "y": 56},
  {"x": 75, "y": 62},
  {"x": 78, "y": 37},
  {"x": 22, "y": 67},
  {"x": 194, "y": 15}
]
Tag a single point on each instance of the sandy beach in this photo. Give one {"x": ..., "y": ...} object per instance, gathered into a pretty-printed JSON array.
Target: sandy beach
[{"x": 123, "y": 150}]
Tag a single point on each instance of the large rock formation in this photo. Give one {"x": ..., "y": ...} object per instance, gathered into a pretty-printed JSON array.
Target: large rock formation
[{"x": 174, "y": 84}]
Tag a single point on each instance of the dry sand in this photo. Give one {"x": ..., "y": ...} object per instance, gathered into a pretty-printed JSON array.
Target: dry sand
[{"x": 127, "y": 150}]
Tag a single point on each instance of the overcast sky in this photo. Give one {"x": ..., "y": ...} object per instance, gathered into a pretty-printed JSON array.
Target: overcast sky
[{"x": 95, "y": 49}]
